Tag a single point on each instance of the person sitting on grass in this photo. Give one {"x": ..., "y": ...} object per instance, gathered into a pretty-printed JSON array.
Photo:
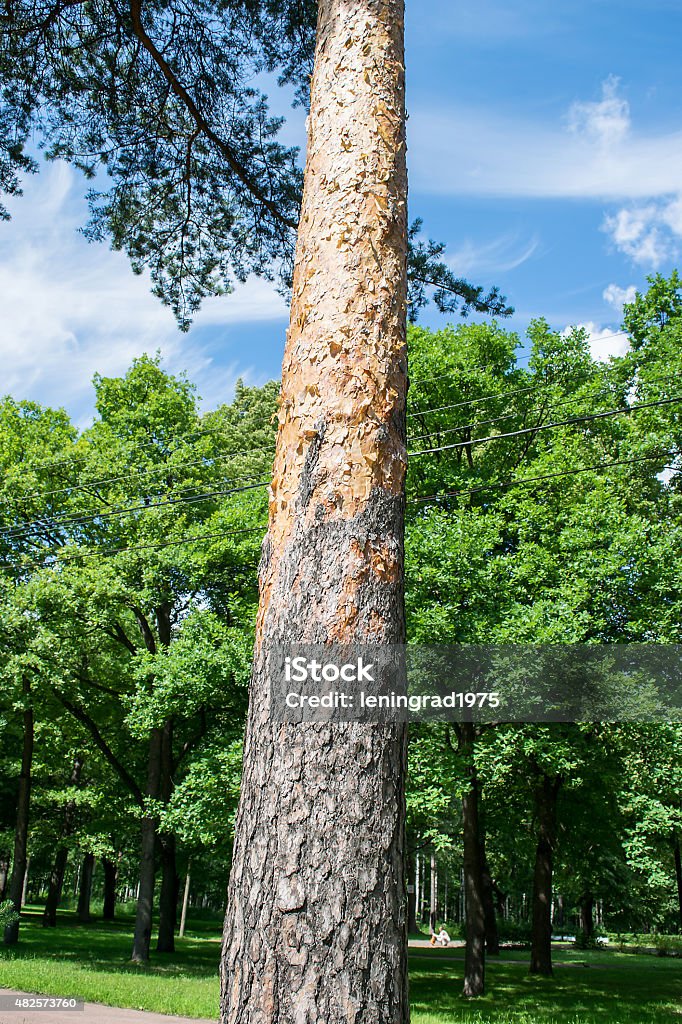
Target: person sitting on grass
[{"x": 442, "y": 939}]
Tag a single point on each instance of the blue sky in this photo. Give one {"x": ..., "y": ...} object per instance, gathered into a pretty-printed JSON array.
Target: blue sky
[{"x": 545, "y": 149}]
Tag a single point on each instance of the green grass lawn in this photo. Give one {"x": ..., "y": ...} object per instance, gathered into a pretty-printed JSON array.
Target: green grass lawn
[{"x": 602, "y": 987}]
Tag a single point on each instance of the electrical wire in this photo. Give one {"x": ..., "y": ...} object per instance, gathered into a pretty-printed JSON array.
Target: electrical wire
[{"x": 548, "y": 426}]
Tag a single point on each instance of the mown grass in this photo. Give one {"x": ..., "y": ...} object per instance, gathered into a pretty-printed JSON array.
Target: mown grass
[{"x": 600, "y": 987}]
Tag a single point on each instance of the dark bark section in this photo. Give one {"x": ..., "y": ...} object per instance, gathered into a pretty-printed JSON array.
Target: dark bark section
[
  {"x": 85, "y": 888},
  {"x": 546, "y": 795},
  {"x": 145, "y": 900},
  {"x": 20, "y": 856},
  {"x": 475, "y": 930},
  {"x": 110, "y": 870}
]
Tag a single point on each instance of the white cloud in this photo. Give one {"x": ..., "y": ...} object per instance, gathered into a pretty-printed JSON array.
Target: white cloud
[
  {"x": 71, "y": 308},
  {"x": 648, "y": 234},
  {"x": 591, "y": 151},
  {"x": 618, "y": 297},
  {"x": 607, "y": 121},
  {"x": 604, "y": 342}
]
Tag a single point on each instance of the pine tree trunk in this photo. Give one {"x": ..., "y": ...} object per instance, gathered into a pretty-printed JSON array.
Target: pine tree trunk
[
  {"x": 474, "y": 953},
  {"x": 316, "y": 927},
  {"x": 20, "y": 856},
  {"x": 541, "y": 949},
  {"x": 433, "y": 895},
  {"x": 110, "y": 872},
  {"x": 145, "y": 895},
  {"x": 85, "y": 888}
]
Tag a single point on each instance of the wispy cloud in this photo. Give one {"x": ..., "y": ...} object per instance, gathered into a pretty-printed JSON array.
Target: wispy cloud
[
  {"x": 591, "y": 151},
  {"x": 500, "y": 255},
  {"x": 71, "y": 308}
]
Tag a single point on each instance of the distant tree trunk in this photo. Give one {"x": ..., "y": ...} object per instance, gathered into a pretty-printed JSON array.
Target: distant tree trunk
[
  {"x": 475, "y": 931},
  {"x": 168, "y": 899},
  {"x": 492, "y": 936},
  {"x": 678, "y": 875},
  {"x": 24, "y": 889},
  {"x": 317, "y": 873},
  {"x": 546, "y": 804},
  {"x": 85, "y": 888},
  {"x": 410, "y": 873},
  {"x": 560, "y": 912},
  {"x": 110, "y": 870},
  {"x": 185, "y": 900},
  {"x": 587, "y": 914},
  {"x": 433, "y": 895},
  {"x": 56, "y": 883},
  {"x": 145, "y": 898},
  {"x": 20, "y": 856},
  {"x": 54, "y": 891},
  {"x": 4, "y": 875}
]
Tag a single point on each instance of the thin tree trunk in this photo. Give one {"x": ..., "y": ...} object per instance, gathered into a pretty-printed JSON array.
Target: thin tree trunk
[
  {"x": 168, "y": 898},
  {"x": 492, "y": 936},
  {"x": 4, "y": 875},
  {"x": 24, "y": 888},
  {"x": 433, "y": 895},
  {"x": 410, "y": 872},
  {"x": 54, "y": 891},
  {"x": 316, "y": 923},
  {"x": 110, "y": 870},
  {"x": 678, "y": 875},
  {"x": 541, "y": 950},
  {"x": 20, "y": 856},
  {"x": 185, "y": 900},
  {"x": 56, "y": 883},
  {"x": 85, "y": 889},
  {"x": 474, "y": 954},
  {"x": 587, "y": 915},
  {"x": 145, "y": 897}
]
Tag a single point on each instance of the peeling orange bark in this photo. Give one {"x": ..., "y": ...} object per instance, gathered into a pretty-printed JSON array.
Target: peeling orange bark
[{"x": 315, "y": 925}]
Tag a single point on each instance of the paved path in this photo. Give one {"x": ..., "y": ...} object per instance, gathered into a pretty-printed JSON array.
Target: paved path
[{"x": 94, "y": 1013}]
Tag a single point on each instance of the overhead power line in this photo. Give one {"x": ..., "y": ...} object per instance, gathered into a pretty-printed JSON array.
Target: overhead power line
[
  {"x": 549, "y": 426},
  {"x": 521, "y": 481}
]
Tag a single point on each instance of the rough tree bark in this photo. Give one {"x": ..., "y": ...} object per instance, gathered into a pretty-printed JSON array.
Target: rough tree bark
[
  {"x": 546, "y": 802},
  {"x": 4, "y": 875},
  {"x": 20, "y": 855},
  {"x": 475, "y": 931},
  {"x": 316, "y": 927}
]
